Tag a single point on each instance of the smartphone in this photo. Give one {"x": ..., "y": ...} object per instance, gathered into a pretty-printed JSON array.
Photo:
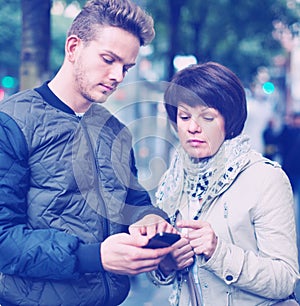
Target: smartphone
[{"x": 162, "y": 240}]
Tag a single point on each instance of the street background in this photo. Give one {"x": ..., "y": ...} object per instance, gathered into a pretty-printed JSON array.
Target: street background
[{"x": 258, "y": 40}]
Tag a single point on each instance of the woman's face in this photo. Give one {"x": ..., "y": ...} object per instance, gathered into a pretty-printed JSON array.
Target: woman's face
[{"x": 201, "y": 130}]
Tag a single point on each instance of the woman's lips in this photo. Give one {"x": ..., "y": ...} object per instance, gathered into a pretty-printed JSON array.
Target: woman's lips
[{"x": 195, "y": 141}]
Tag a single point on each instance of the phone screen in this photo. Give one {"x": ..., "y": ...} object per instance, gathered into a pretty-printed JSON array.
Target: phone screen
[{"x": 162, "y": 240}]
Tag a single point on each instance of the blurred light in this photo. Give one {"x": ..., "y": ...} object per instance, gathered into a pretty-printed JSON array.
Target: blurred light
[
  {"x": 183, "y": 61},
  {"x": 2, "y": 94},
  {"x": 268, "y": 88},
  {"x": 144, "y": 152},
  {"x": 58, "y": 8},
  {"x": 8, "y": 81},
  {"x": 146, "y": 50},
  {"x": 72, "y": 10}
]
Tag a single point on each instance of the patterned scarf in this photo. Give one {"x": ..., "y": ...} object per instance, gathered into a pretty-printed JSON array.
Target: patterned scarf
[{"x": 202, "y": 179}]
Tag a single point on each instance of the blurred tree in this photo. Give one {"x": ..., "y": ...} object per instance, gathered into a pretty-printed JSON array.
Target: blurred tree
[
  {"x": 235, "y": 33},
  {"x": 29, "y": 50},
  {"x": 35, "y": 42},
  {"x": 174, "y": 26},
  {"x": 10, "y": 33}
]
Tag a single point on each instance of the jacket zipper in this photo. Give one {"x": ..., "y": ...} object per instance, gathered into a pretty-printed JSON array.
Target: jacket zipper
[
  {"x": 228, "y": 298},
  {"x": 97, "y": 188}
]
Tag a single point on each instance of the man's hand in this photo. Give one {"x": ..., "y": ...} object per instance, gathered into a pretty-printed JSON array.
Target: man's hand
[
  {"x": 151, "y": 225},
  {"x": 124, "y": 254}
]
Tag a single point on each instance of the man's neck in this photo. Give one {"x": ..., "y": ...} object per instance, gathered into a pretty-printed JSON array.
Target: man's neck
[{"x": 63, "y": 88}]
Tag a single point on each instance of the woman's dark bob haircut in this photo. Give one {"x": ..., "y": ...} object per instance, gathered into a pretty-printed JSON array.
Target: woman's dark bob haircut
[{"x": 212, "y": 85}]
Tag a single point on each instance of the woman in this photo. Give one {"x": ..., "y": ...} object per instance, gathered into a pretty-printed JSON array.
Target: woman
[{"x": 233, "y": 206}]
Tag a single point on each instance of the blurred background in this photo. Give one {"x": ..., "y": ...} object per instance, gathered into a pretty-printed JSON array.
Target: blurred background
[{"x": 258, "y": 40}]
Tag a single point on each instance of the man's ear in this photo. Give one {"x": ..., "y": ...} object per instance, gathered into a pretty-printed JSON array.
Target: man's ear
[{"x": 72, "y": 44}]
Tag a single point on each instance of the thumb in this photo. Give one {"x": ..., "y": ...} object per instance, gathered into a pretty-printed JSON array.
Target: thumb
[
  {"x": 140, "y": 240},
  {"x": 192, "y": 224},
  {"x": 127, "y": 239},
  {"x": 137, "y": 240}
]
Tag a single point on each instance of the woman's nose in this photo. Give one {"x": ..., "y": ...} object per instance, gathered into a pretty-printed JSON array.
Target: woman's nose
[{"x": 194, "y": 127}]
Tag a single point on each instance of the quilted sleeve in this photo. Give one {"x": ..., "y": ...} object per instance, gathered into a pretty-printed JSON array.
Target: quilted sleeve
[
  {"x": 138, "y": 200},
  {"x": 42, "y": 253}
]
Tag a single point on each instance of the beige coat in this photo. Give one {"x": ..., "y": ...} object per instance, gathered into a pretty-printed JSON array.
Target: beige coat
[{"x": 257, "y": 250}]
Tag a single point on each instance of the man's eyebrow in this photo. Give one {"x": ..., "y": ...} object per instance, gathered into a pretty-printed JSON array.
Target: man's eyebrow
[{"x": 119, "y": 58}]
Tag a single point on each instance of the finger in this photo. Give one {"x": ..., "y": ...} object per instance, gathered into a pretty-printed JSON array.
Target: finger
[
  {"x": 164, "y": 226},
  {"x": 144, "y": 269},
  {"x": 160, "y": 227},
  {"x": 195, "y": 234},
  {"x": 162, "y": 252},
  {"x": 151, "y": 231},
  {"x": 183, "y": 253},
  {"x": 201, "y": 250},
  {"x": 133, "y": 240},
  {"x": 205, "y": 249},
  {"x": 140, "y": 266},
  {"x": 193, "y": 224},
  {"x": 180, "y": 243},
  {"x": 205, "y": 234},
  {"x": 137, "y": 230},
  {"x": 186, "y": 263}
]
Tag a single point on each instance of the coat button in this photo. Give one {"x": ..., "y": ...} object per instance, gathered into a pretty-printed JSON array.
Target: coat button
[{"x": 229, "y": 278}]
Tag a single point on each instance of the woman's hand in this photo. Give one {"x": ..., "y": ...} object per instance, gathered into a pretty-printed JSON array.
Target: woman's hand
[
  {"x": 151, "y": 225},
  {"x": 201, "y": 236},
  {"x": 180, "y": 258}
]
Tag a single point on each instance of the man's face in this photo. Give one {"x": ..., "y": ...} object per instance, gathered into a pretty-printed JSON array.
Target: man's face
[{"x": 101, "y": 64}]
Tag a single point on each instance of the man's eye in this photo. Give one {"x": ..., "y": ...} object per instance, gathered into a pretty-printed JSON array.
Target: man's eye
[{"x": 108, "y": 60}]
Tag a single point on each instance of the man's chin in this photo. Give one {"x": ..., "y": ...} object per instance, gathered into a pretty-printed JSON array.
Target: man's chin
[{"x": 101, "y": 99}]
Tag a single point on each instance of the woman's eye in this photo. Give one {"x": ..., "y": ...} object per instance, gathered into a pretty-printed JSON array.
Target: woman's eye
[
  {"x": 184, "y": 117},
  {"x": 208, "y": 118}
]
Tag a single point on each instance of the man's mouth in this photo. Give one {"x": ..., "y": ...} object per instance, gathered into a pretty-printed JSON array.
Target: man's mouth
[{"x": 108, "y": 88}]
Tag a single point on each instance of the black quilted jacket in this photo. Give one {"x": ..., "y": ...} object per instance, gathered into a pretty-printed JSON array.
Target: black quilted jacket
[{"x": 65, "y": 185}]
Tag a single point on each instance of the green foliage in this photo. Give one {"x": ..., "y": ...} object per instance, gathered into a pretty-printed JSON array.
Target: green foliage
[
  {"x": 59, "y": 27},
  {"x": 236, "y": 33},
  {"x": 80, "y": 2},
  {"x": 10, "y": 37}
]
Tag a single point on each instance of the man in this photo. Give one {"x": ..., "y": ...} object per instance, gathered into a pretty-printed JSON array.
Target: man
[{"x": 68, "y": 182}]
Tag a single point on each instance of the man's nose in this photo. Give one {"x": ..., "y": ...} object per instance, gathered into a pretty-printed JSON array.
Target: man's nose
[{"x": 117, "y": 73}]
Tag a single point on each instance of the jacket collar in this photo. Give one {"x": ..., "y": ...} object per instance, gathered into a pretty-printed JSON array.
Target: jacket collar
[{"x": 52, "y": 99}]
